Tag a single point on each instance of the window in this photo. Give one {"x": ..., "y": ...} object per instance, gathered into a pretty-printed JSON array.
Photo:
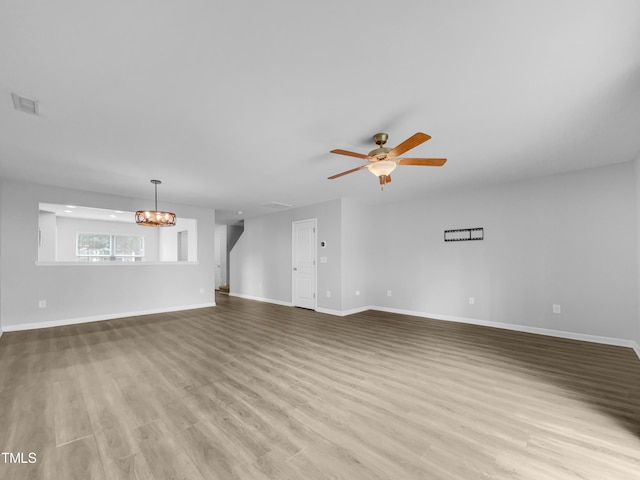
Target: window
[{"x": 102, "y": 247}]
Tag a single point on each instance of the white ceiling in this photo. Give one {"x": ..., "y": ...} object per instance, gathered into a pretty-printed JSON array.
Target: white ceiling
[
  {"x": 88, "y": 213},
  {"x": 235, "y": 104}
]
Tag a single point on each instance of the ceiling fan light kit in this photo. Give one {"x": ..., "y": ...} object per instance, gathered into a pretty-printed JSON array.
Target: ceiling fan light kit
[
  {"x": 382, "y": 167},
  {"x": 383, "y": 160},
  {"x": 155, "y": 218}
]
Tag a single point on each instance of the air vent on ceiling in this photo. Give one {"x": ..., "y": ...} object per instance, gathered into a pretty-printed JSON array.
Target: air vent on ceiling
[
  {"x": 26, "y": 105},
  {"x": 277, "y": 205}
]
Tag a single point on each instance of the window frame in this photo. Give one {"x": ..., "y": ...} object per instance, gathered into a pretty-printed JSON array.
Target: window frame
[{"x": 112, "y": 256}]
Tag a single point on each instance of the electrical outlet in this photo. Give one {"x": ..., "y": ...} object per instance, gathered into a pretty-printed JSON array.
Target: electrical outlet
[
  {"x": 42, "y": 304},
  {"x": 472, "y": 300},
  {"x": 357, "y": 293},
  {"x": 556, "y": 309},
  {"x": 328, "y": 294},
  {"x": 202, "y": 290},
  {"x": 388, "y": 293}
]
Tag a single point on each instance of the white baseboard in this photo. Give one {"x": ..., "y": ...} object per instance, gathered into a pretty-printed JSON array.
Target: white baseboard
[
  {"x": 261, "y": 299},
  {"x": 519, "y": 328},
  {"x": 99, "y": 318},
  {"x": 342, "y": 313},
  {"x": 338, "y": 313}
]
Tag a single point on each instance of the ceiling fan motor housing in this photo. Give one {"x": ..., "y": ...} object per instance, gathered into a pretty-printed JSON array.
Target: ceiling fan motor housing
[{"x": 379, "y": 153}]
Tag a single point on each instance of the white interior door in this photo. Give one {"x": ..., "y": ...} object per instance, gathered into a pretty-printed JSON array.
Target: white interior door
[{"x": 304, "y": 263}]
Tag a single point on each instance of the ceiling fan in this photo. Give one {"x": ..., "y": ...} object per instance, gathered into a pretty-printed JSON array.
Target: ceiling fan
[{"x": 383, "y": 160}]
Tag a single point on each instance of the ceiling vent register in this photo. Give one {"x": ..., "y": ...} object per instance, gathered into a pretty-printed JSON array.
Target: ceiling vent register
[
  {"x": 277, "y": 205},
  {"x": 25, "y": 105}
]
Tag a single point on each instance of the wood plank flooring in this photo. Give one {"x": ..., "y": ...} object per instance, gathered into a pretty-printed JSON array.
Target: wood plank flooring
[{"x": 254, "y": 391}]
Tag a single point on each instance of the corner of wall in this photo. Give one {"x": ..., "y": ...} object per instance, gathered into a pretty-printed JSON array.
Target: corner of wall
[{"x": 636, "y": 163}]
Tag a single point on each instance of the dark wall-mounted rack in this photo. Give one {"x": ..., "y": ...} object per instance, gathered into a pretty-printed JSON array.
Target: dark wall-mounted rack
[{"x": 464, "y": 234}]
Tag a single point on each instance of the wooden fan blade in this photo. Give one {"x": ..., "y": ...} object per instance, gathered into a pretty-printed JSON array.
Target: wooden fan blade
[
  {"x": 351, "y": 154},
  {"x": 426, "y": 162},
  {"x": 348, "y": 171},
  {"x": 408, "y": 144}
]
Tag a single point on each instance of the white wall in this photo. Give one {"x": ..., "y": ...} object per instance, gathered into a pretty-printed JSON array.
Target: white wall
[
  {"x": 48, "y": 237},
  {"x": 1, "y": 257},
  {"x": 260, "y": 261},
  {"x": 360, "y": 250},
  {"x": 568, "y": 239},
  {"x": 168, "y": 240},
  {"x": 81, "y": 292}
]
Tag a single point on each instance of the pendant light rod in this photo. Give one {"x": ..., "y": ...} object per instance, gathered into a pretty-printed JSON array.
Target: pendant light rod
[{"x": 156, "y": 183}]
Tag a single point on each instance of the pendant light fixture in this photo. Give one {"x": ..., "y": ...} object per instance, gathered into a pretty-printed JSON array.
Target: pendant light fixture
[{"x": 155, "y": 218}]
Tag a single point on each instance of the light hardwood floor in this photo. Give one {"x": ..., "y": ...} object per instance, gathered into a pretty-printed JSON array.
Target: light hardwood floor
[{"x": 253, "y": 391}]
